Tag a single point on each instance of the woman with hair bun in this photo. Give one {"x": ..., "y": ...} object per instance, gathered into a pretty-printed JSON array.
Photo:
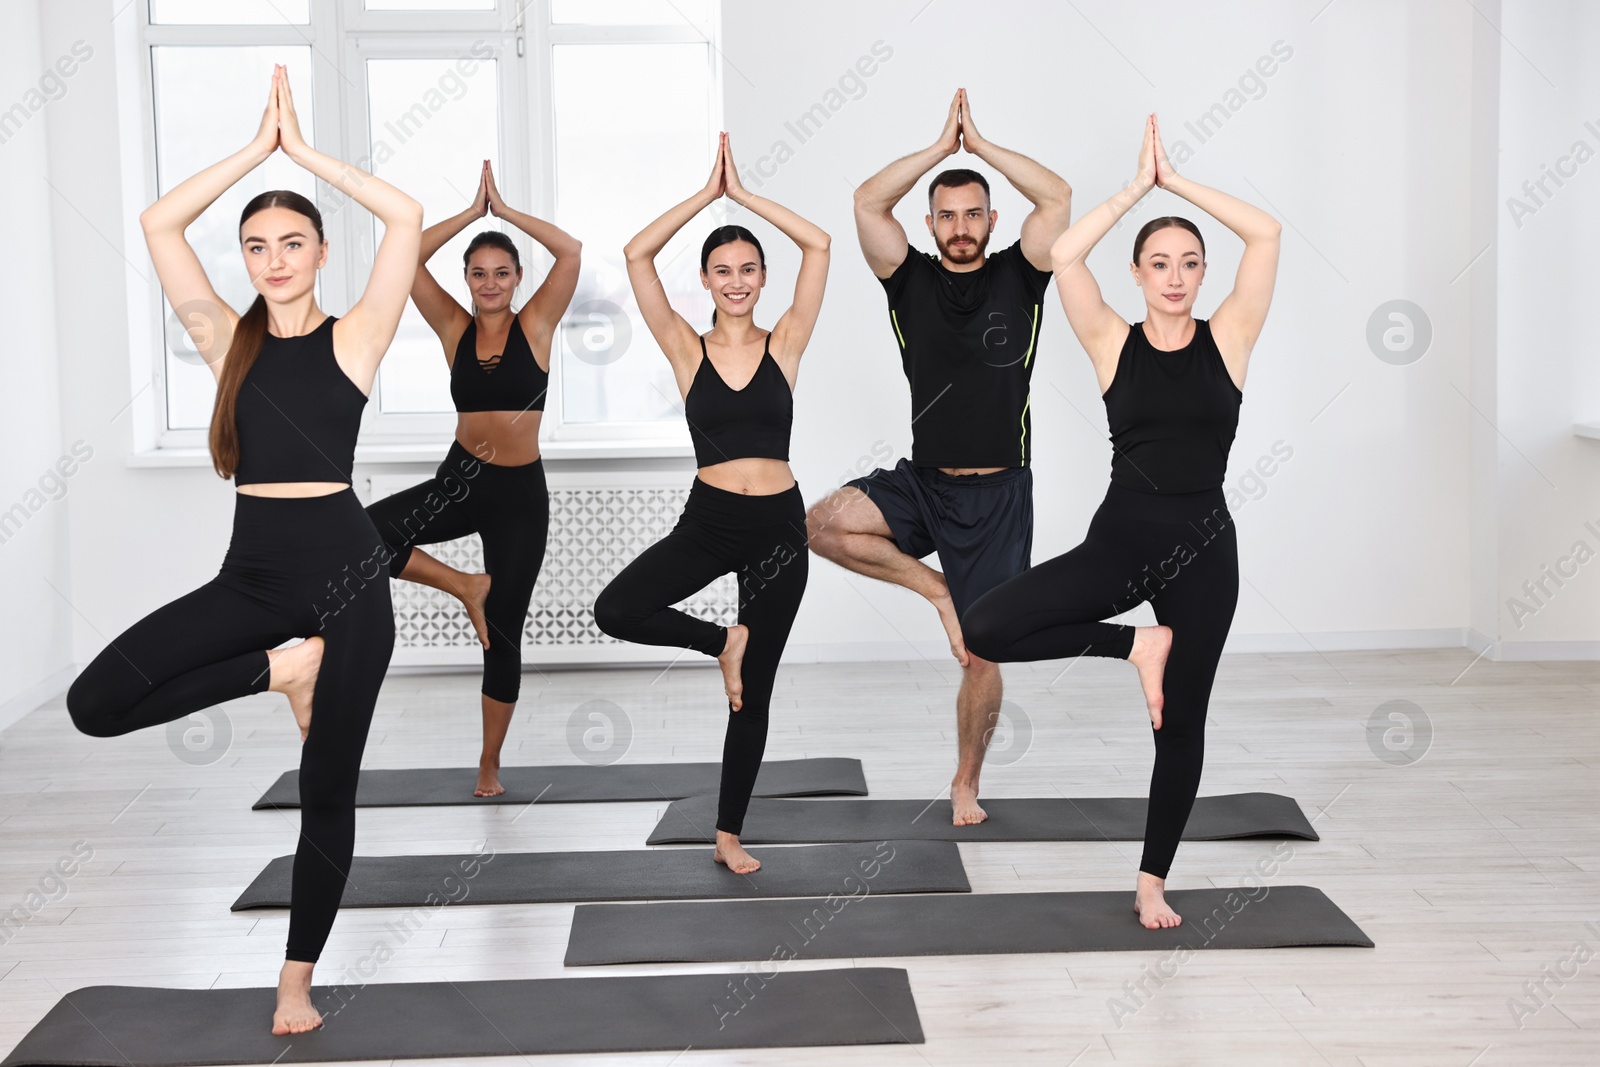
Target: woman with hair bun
[
  {"x": 1172, "y": 385},
  {"x": 492, "y": 479},
  {"x": 744, "y": 513},
  {"x": 304, "y": 560}
]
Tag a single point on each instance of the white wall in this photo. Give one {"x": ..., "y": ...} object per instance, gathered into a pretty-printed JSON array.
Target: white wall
[
  {"x": 35, "y": 645},
  {"x": 1548, "y": 481},
  {"x": 1376, "y": 533}
]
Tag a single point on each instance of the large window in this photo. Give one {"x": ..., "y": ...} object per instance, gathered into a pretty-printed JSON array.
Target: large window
[{"x": 596, "y": 114}]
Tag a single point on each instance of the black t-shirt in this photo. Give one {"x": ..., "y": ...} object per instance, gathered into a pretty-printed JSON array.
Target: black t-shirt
[{"x": 967, "y": 344}]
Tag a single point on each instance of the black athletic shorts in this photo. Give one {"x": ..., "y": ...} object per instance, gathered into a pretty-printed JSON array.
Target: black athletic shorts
[{"x": 980, "y": 524}]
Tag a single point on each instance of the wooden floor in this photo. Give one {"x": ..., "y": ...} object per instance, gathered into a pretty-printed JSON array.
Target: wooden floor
[{"x": 1475, "y": 868}]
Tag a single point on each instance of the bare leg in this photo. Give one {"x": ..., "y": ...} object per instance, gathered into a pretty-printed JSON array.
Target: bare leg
[
  {"x": 1150, "y": 902},
  {"x": 294, "y": 674},
  {"x": 847, "y": 528},
  {"x": 496, "y": 721},
  {"x": 977, "y": 712},
  {"x": 295, "y": 1015},
  {"x": 471, "y": 589},
  {"x": 732, "y": 854},
  {"x": 731, "y": 659},
  {"x": 1151, "y": 644}
]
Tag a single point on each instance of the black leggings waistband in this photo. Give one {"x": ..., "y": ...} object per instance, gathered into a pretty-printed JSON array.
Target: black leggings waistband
[{"x": 742, "y": 511}]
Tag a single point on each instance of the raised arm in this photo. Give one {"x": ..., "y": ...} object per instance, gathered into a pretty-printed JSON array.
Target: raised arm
[
  {"x": 363, "y": 335},
  {"x": 1099, "y": 329},
  {"x": 543, "y": 311},
  {"x": 208, "y": 321},
  {"x": 794, "y": 326},
  {"x": 1237, "y": 322},
  {"x": 883, "y": 239},
  {"x": 671, "y": 330},
  {"x": 1050, "y": 196},
  {"x": 443, "y": 313}
]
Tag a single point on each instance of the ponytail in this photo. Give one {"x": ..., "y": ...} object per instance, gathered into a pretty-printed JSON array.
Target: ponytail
[{"x": 242, "y": 353}]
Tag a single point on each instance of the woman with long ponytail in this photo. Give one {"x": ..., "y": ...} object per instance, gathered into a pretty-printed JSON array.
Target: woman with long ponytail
[{"x": 304, "y": 560}]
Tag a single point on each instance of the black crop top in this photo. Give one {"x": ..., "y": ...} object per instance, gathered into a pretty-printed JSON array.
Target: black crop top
[
  {"x": 1172, "y": 414},
  {"x": 511, "y": 381},
  {"x": 297, "y": 413},
  {"x": 752, "y": 422}
]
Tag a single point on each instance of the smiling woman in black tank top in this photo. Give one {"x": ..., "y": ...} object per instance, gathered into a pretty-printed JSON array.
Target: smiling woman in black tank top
[
  {"x": 744, "y": 513},
  {"x": 491, "y": 481},
  {"x": 291, "y": 383},
  {"x": 1172, "y": 386}
]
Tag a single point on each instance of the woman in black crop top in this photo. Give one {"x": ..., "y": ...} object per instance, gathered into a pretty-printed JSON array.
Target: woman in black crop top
[
  {"x": 744, "y": 513},
  {"x": 492, "y": 480},
  {"x": 304, "y": 560},
  {"x": 1172, "y": 387}
]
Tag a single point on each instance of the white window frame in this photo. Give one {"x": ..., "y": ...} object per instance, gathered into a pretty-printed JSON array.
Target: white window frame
[{"x": 516, "y": 29}]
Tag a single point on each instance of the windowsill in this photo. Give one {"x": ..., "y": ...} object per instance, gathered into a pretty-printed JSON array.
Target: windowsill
[
  {"x": 367, "y": 455},
  {"x": 1587, "y": 429}
]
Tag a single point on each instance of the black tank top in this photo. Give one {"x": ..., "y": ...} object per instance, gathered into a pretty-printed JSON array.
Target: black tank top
[
  {"x": 511, "y": 381},
  {"x": 1172, "y": 414},
  {"x": 297, "y": 413},
  {"x": 752, "y": 422}
]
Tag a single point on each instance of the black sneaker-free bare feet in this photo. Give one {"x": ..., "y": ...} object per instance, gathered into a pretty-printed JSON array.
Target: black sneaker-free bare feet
[
  {"x": 1150, "y": 903},
  {"x": 294, "y": 674},
  {"x": 1151, "y": 645},
  {"x": 964, "y": 805},
  {"x": 731, "y": 659},
  {"x": 294, "y": 1014},
  {"x": 732, "y": 855}
]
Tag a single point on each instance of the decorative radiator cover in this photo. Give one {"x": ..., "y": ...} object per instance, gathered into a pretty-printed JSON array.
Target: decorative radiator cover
[{"x": 598, "y": 523}]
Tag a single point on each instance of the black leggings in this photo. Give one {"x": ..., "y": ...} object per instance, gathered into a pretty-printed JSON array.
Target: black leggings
[
  {"x": 1179, "y": 552},
  {"x": 763, "y": 539},
  {"x": 509, "y": 508},
  {"x": 300, "y": 567}
]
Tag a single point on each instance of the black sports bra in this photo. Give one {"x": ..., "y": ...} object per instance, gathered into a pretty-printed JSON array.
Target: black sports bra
[
  {"x": 1172, "y": 415},
  {"x": 748, "y": 423},
  {"x": 297, "y": 413},
  {"x": 511, "y": 381}
]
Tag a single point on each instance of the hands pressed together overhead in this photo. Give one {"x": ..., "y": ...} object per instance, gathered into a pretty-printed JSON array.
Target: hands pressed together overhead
[{"x": 280, "y": 126}]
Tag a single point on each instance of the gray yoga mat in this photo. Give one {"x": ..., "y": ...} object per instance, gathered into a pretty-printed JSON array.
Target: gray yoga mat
[
  {"x": 869, "y": 925},
  {"x": 663, "y": 874},
  {"x": 431, "y": 786},
  {"x": 130, "y": 1026},
  {"x": 787, "y": 822}
]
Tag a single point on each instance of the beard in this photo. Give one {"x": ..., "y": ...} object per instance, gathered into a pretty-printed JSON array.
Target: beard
[{"x": 969, "y": 253}]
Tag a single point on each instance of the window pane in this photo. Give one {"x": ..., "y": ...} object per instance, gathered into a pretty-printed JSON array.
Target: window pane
[
  {"x": 430, "y": 5},
  {"x": 696, "y": 13},
  {"x": 231, "y": 12},
  {"x": 632, "y": 138},
  {"x": 433, "y": 122},
  {"x": 208, "y": 104}
]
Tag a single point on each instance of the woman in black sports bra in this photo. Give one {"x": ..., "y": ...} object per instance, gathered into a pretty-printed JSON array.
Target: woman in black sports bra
[
  {"x": 744, "y": 513},
  {"x": 492, "y": 480},
  {"x": 1172, "y": 386},
  {"x": 304, "y": 560}
]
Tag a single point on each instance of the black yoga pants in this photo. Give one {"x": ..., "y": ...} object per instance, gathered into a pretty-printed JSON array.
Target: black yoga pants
[
  {"x": 298, "y": 567},
  {"x": 1179, "y": 552},
  {"x": 509, "y": 509},
  {"x": 763, "y": 540}
]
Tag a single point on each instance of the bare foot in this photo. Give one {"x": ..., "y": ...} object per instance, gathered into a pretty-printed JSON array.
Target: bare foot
[
  {"x": 952, "y": 625},
  {"x": 1150, "y": 903},
  {"x": 964, "y": 804},
  {"x": 488, "y": 778},
  {"x": 1150, "y": 647},
  {"x": 732, "y": 659},
  {"x": 473, "y": 595},
  {"x": 295, "y": 1015},
  {"x": 732, "y": 855},
  {"x": 294, "y": 674}
]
